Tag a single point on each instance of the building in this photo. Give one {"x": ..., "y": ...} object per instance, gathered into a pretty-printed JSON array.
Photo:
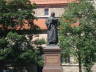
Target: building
[{"x": 45, "y": 7}]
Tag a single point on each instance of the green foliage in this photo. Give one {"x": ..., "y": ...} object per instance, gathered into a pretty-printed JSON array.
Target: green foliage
[
  {"x": 79, "y": 40},
  {"x": 18, "y": 50},
  {"x": 40, "y": 42},
  {"x": 12, "y": 12},
  {"x": 3, "y": 43},
  {"x": 15, "y": 49}
]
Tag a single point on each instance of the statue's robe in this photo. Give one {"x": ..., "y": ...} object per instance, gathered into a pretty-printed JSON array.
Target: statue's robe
[{"x": 52, "y": 24}]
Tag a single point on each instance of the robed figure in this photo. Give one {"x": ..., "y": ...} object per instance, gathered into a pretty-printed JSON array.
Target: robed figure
[{"x": 52, "y": 24}]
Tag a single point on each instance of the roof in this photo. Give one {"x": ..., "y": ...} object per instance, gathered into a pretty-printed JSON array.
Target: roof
[
  {"x": 40, "y": 2},
  {"x": 41, "y": 23}
]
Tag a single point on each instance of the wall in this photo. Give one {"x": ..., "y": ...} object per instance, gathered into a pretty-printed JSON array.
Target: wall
[
  {"x": 39, "y": 12},
  {"x": 70, "y": 68},
  {"x": 75, "y": 68}
]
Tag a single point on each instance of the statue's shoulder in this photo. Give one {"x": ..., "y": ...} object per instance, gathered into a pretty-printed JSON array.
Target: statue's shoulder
[{"x": 50, "y": 18}]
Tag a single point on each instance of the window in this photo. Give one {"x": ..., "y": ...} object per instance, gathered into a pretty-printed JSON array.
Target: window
[{"x": 46, "y": 11}]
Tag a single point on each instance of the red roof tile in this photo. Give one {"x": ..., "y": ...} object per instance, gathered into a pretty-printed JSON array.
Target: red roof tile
[
  {"x": 52, "y": 1},
  {"x": 40, "y": 23}
]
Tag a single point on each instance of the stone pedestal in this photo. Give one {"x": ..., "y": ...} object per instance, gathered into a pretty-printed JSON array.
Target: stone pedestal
[{"x": 52, "y": 62}]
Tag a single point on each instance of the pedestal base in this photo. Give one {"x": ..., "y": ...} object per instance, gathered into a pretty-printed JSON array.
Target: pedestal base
[
  {"x": 52, "y": 69},
  {"x": 52, "y": 62}
]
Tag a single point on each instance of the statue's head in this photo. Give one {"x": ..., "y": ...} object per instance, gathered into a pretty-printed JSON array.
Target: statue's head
[{"x": 53, "y": 14}]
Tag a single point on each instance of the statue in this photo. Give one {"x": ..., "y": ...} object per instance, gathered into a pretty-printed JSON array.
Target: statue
[{"x": 52, "y": 33}]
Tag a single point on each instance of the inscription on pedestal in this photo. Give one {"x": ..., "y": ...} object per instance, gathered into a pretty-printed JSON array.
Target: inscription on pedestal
[{"x": 52, "y": 59}]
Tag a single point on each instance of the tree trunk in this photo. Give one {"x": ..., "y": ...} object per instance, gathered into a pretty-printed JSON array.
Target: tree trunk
[{"x": 80, "y": 64}]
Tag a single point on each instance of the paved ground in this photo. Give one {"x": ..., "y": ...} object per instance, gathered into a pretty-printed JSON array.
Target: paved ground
[{"x": 94, "y": 68}]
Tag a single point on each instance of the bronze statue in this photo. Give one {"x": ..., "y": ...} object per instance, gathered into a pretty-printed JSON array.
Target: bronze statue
[{"x": 52, "y": 24}]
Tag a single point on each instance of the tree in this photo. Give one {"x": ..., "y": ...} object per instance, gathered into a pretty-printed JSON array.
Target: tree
[
  {"x": 15, "y": 49},
  {"x": 78, "y": 33},
  {"x": 14, "y": 12}
]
